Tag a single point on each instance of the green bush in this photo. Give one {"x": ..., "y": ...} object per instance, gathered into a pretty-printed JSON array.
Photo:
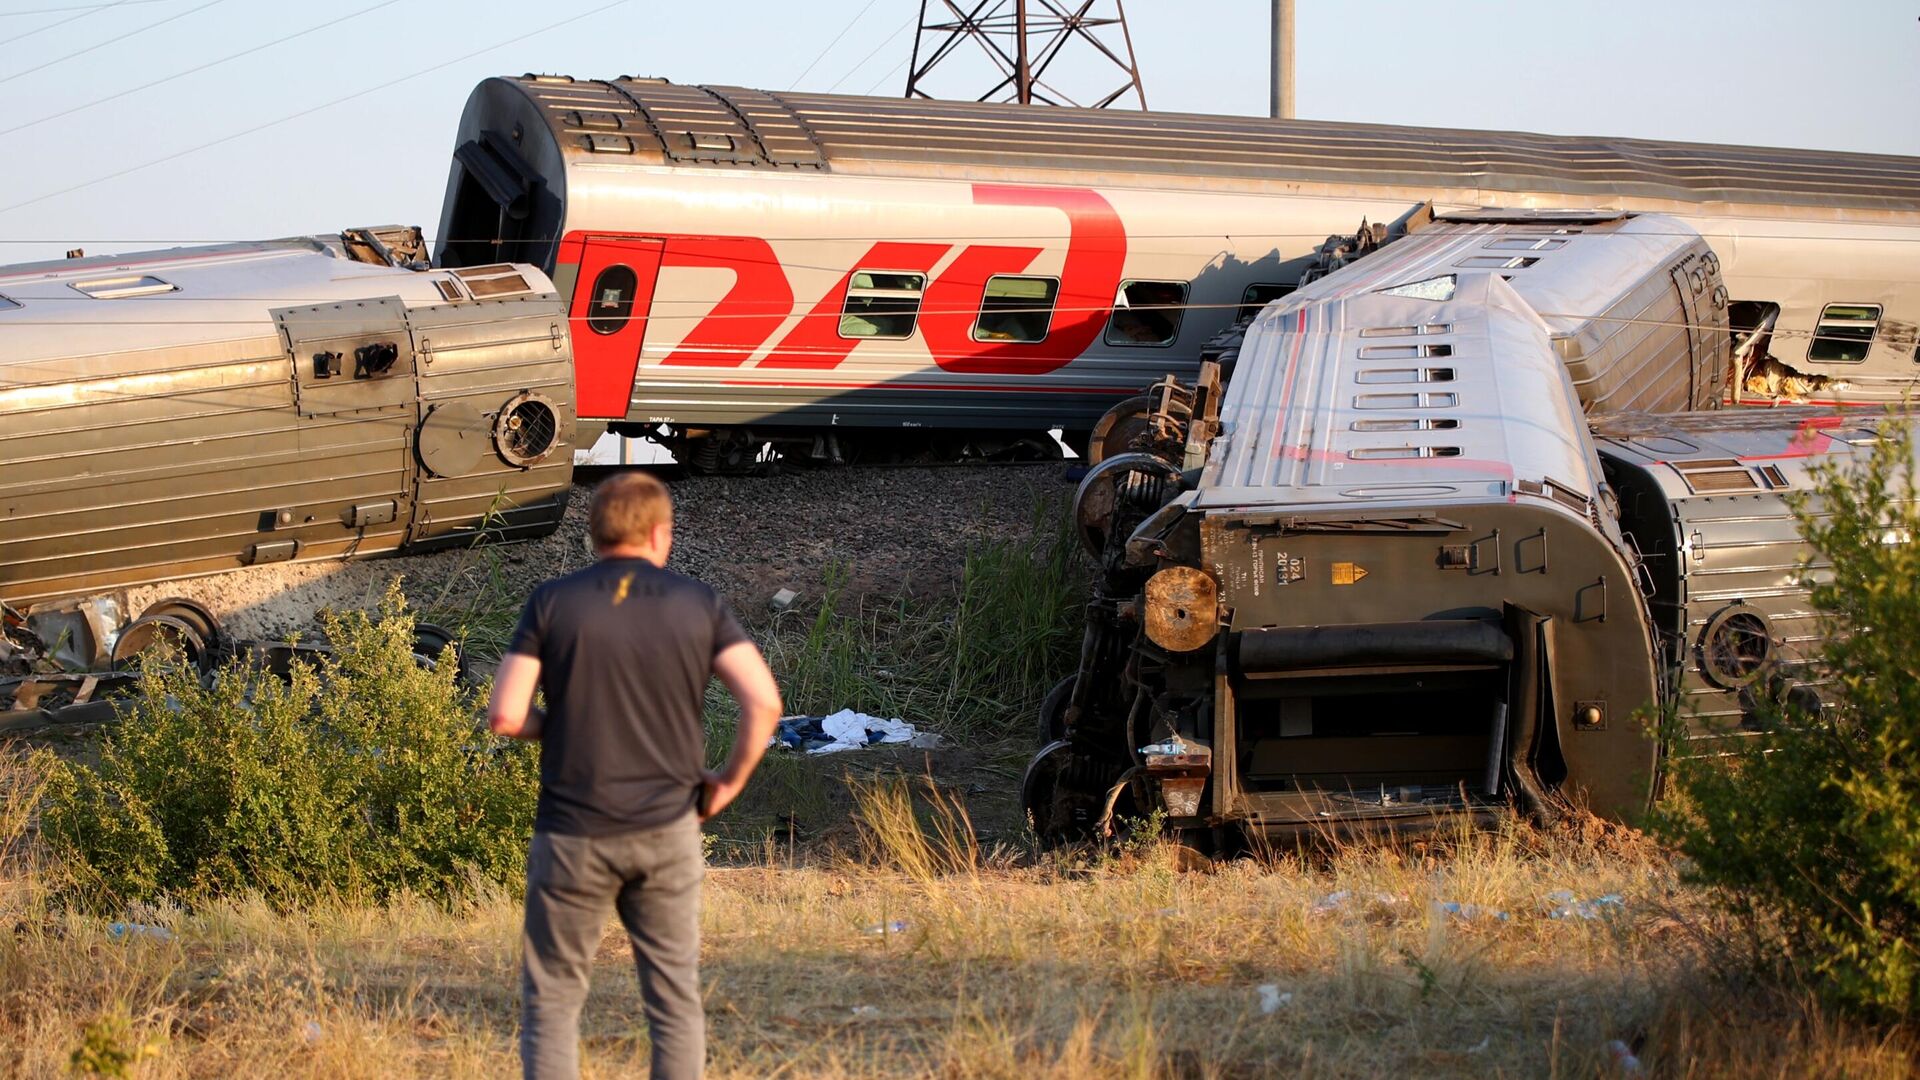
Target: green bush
[
  {"x": 360, "y": 776},
  {"x": 1815, "y": 831}
]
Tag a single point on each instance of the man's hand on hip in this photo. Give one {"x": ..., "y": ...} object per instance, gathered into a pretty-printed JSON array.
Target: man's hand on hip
[{"x": 716, "y": 791}]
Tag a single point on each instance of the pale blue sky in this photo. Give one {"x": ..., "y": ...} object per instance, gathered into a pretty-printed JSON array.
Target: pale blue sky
[{"x": 1839, "y": 75}]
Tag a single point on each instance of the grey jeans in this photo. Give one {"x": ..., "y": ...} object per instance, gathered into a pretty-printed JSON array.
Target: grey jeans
[{"x": 652, "y": 878}]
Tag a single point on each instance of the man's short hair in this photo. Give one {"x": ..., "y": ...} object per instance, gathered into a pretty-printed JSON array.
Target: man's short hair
[{"x": 625, "y": 508}]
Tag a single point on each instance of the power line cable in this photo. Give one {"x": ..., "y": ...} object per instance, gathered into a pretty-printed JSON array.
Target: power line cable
[
  {"x": 310, "y": 111},
  {"x": 55, "y": 25},
  {"x": 904, "y": 27},
  {"x": 797, "y": 79},
  {"x": 103, "y": 44},
  {"x": 82, "y": 8},
  {"x": 197, "y": 68}
]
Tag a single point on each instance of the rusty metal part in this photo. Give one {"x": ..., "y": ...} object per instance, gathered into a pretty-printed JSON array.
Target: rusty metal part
[
  {"x": 526, "y": 430},
  {"x": 1182, "y": 608},
  {"x": 1120, "y": 429},
  {"x": 164, "y": 631},
  {"x": 1139, "y": 481},
  {"x": 192, "y": 612}
]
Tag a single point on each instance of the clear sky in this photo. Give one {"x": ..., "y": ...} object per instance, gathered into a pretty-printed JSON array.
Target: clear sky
[{"x": 1842, "y": 74}]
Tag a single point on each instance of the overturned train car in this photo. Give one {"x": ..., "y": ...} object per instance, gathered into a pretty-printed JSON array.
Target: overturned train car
[
  {"x": 194, "y": 410},
  {"x": 1388, "y": 573}
]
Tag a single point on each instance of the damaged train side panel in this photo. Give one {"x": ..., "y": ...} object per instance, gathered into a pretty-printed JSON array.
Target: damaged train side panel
[
  {"x": 1411, "y": 581},
  {"x": 284, "y": 401}
]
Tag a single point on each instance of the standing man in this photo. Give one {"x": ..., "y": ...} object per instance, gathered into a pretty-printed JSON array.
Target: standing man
[{"x": 624, "y": 650}]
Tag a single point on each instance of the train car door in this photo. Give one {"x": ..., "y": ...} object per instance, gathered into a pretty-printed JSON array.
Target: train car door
[
  {"x": 351, "y": 491},
  {"x": 611, "y": 299}
]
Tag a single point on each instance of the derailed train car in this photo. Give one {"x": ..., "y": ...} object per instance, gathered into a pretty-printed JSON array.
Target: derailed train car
[
  {"x": 826, "y": 272},
  {"x": 1388, "y": 574},
  {"x": 194, "y": 410}
]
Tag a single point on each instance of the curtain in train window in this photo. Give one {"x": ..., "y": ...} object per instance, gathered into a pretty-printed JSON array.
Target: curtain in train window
[
  {"x": 1016, "y": 309},
  {"x": 881, "y": 304},
  {"x": 1845, "y": 333},
  {"x": 1147, "y": 313}
]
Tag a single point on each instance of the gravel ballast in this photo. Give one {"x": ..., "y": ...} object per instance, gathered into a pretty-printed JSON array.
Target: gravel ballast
[{"x": 893, "y": 530}]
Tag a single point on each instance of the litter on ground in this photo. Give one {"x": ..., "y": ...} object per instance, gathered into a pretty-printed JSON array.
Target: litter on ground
[
  {"x": 1471, "y": 912},
  {"x": 1561, "y": 904},
  {"x": 121, "y": 930},
  {"x": 1272, "y": 999},
  {"x": 848, "y": 730}
]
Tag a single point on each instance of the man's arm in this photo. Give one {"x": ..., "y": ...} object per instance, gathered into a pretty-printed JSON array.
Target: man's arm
[
  {"x": 745, "y": 673},
  {"x": 510, "y": 711}
]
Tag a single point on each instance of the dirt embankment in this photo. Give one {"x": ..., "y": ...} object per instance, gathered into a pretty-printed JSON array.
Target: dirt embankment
[{"x": 896, "y": 530}]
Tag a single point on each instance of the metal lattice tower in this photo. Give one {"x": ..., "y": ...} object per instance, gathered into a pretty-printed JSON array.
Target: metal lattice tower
[{"x": 1022, "y": 39}]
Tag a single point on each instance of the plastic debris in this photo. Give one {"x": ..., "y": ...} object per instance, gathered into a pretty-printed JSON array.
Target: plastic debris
[
  {"x": 1334, "y": 901},
  {"x": 848, "y": 730},
  {"x": 1272, "y": 999},
  {"x": 1479, "y": 1047},
  {"x": 864, "y": 1011},
  {"x": 313, "y": 1032},
  {"x": 121, "y": 930},
  {"x": 1471, "y": 912},
  {"x": 1624, "y": 1059},
  {"x": 896, "y": 926},
  {"x": 783, "y": 599},
  {"x": 1561, "y": 904}
]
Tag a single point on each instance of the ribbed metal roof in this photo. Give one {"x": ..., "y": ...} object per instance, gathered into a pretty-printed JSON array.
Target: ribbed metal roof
[{"x": 852, "y": 132}]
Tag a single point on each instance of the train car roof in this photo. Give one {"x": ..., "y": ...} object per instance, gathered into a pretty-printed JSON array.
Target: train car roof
[
  {"x": 1400, "y": 396},
  {"x": 1568, "y": 267},
  {"x": 189, "y": 295},
  {"x": 637, "y": 120},
  {"x": 1735, "y": 451}
]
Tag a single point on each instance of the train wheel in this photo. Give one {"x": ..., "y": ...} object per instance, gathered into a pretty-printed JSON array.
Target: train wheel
[
  {"x": 1057, "y": 797},
  {"x": 1053, "y": 710},
  {"x": 1120, "y": 429},
  {"x": 148, "y": 631}
]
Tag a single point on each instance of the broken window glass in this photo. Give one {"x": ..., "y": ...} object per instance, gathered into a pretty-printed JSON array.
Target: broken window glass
[{"x": 1147, "y": 313}]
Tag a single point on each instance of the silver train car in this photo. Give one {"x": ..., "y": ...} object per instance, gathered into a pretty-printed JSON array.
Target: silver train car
[
  {"x": 750, "y": 265},
  {"x": 1387, "y": 575},
  {"x": 193, "y": 410}
]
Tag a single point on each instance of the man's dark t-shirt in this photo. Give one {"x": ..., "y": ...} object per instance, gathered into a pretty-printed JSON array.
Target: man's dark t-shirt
[{"x": 625, "y": 651}]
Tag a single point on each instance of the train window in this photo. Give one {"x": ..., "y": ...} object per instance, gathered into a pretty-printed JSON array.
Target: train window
[
  {"x": 1257, "y": 297},
  {"x": 612, "y": 299},
  {"x": 1497, "y": 262},
  {"x": 1518, "y": 243},
  {"x": 1016, "y": 308},
  {"x": 1845, "y": 333},
  {"x": 881, "y": 304},
  {"x": 120, "y": 288},
  {"x": 1147, "y": 313}
]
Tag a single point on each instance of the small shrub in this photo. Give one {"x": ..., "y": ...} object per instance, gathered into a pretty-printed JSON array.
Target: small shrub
[
  {"x": 362, "y": 776},
  {"x": 1816, "y": 832}
]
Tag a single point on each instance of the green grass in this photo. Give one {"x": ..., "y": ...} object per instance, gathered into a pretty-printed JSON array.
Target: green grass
[{"x": 972, "y": 666}]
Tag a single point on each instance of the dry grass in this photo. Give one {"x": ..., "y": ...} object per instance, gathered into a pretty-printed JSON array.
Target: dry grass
[{"x": 1006, "y": 967}]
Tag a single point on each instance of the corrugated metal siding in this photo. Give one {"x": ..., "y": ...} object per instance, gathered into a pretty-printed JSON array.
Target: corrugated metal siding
[
  {"x": 892, "y": 135},
  {"x": 886, "y": 129}
]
